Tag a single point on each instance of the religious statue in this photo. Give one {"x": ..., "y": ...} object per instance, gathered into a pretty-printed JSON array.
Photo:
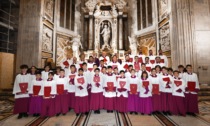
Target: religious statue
[
  {"x": 106, "y": 34},
  {"x": 114, "y": 11},
  {"x": 75, "y": 46},
  {"x": 133, "y": 45},
  {"x": 97, "y": 11}
]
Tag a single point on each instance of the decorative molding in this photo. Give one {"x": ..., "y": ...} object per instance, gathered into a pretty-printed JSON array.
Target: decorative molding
[
  {"x": 47, "y": 39},
  {"x": 164, "y": 36},
  {"x": 49, "y": 9},
  {"x": 162, "y": 9}
]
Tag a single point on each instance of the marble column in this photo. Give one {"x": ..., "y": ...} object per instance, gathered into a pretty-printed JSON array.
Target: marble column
[
  {"x": 181, "y": 33},
  {"x": 90, "y": 47},
  {"x": 120, "y": 31}
]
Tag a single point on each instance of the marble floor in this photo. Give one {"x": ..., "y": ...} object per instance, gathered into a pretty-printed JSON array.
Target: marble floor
[
  {"x": 108, "y": 119},
  {"x": 105, "y": 119}
]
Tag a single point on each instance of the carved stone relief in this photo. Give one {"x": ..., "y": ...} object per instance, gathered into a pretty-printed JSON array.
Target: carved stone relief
[
  {"x": 49, "y": 8},
  {"x": 165, "y": 38},
  {"x": 162, "y": 9},
  {"x": 47, "y": 37}
]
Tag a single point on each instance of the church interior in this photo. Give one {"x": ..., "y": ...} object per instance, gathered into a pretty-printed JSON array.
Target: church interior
[{"x": 42, "y": 33}]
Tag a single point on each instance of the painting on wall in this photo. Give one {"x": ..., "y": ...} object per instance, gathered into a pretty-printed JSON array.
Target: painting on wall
[
  {"x": 64, "y": 46},
  {"x": 147, "y": 43},
  {"x": 49, "y": 9},
  {"x": 162, "y": 9}
]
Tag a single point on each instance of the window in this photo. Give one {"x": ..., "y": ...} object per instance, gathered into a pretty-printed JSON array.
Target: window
[
  {"x": 67, "y": 13},
  {"x": 9, "y": 12},
  {"x": 144, "y": 14}
]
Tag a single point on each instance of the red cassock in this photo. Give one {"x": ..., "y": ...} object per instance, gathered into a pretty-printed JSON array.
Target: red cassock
[
  {"x": 110, "y": 86},
  {"x": 137, "y": 66},
  {"x": 60, "y": 88},
  {"x": 133, "y": 88},
  {"x": 47, "y": 91},
  {"x": 90, "y": 69},
  {"x": 140, "y": 60},
  {"x": 23, "y": 87},
  {"x": 72, "y": 76},
  {"x": 81, "y": 80},
  {"x": 155, "y": 89},
  {"x": 96, "y": 79},
  {"x": 36, "y": 89},
  {"x": 178, "y": 83},
  {"x": 145, "y": 83},
  {"x": 152, "y": 61},
  {"x": 148, "y": 69},
  {"x": 191, "y": 86}
]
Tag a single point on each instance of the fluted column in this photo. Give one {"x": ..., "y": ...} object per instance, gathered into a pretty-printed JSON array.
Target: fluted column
[
  {"x": 120, "y": 31},
  {"x": 90, "y": 40},
  {"x": 181, "y": 33}
]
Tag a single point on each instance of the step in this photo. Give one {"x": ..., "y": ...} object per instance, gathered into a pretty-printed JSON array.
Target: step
[
  {"x": 204, "y": 93},
  {"x": 203, "y": 98}
]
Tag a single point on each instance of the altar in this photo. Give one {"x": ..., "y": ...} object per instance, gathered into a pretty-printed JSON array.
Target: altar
[{"x": 106, "y": 26}]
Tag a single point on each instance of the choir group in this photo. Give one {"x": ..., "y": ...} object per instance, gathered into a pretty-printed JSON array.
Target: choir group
[{"x": 140, "y": 84}]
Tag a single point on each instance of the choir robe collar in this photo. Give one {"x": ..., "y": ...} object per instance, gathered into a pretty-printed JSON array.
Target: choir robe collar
[
  {"x": 114, "y": 62},
  {"x": 73, "y": 72},
  {"x": 61, "y": 77},
  {"x": 144, "y": 78},
  {"x": 140, "y": 53},
  {"x": 189, "y": 73},
  {"x": 165, "y": 74},
  {"x": 32, "y": 73},
  {"x": 23, "y": 73},
  {"x": 49, "y": 79},
  {"x": 177, "y": 78},
  {"x": 133, "y": 76},
  {"x": 116, "y": 74},
  {"x": 40, "y": 79},
  {"x": 154, "y": 75},
  {"x": 109, "y": 74},
  {"x": 157, "y": 62},
  {"x": 136, "y": 62},
  {"x": 96, "y": 75},
  {"x": 122, "y": 77},
  {"x": 80, "y": 74}
]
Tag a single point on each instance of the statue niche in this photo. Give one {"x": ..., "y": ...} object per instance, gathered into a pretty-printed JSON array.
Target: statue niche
[{"x": 105, "y": 34}]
